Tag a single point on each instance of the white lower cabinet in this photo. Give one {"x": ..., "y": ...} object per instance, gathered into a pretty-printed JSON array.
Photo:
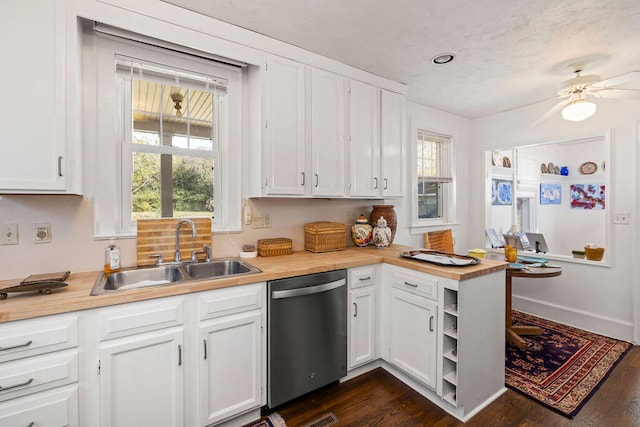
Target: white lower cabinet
[
  {"x": 39, "y": 368},
  {"x": 142, "y": 381},
  {"x": 232, "y": 352},
  {"x": 363, "y": 328},
  {"x": 412, "y": 335},
  {"x": 230, "y": 371},
  {"x": 163, "y": 361}
]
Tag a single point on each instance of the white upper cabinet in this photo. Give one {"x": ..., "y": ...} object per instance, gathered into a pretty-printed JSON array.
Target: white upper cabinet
[
  {"x": 37, "y": 142},
  {"x": 284, "y": 157},
  {"x": 327, "y": 134},
  {"x": 364, "y": 137},
  {"x": 392, "y": 135}
]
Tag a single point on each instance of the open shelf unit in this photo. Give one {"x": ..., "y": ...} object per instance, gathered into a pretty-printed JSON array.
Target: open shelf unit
[{"x": 450, "y": 346}]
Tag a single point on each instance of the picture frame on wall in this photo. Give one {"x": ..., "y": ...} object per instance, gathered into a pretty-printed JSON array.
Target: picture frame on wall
[
  {"x": 550, "y": 193},
  {"x": 501, "y": 192}
]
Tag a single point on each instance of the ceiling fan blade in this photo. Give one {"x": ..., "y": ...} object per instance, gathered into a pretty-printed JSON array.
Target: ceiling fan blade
[
  {"x": 618, "y": 93},
  {"x": 546, "y": 116},
  {"x": 618, "y": 80}
]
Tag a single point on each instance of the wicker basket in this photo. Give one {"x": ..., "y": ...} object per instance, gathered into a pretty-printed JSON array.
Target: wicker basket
[
  {"x": 594, "y": 254},
  {"x": 274, "y": 247},
  {"x": 324, "y": 236}
]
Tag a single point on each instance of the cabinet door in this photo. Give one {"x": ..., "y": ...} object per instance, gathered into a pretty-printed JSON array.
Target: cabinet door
[
  {"x": 412, "y": 335},
  {"x": 364, "y": 137},
  {"x": 392, "y": 144},
  {"x": 141, "y": 380},
  {"x": 362, "y": 338},
  {"x": 33, "y": 111},
  {"x": 230, "y": 369},
  {"x": 327, "y": 134},
  {"x": 284, "y": 127}
]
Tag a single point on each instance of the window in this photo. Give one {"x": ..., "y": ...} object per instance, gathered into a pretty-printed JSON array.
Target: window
[
  {"x": 433, "y": 174},
  {"x": 169, "y": 156},
  {"x": 168, "y": 137}
]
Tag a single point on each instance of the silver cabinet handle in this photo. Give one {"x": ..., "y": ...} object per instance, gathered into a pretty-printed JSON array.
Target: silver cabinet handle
[
  {"x": 27, "y": 382},
  {"x": 413, "y": 285},
  {"x": 355, "y": 310},
  {"x": 375, "y": 187},
  {"x": 317, "y": 179},
  {"x": 179, "y": 355},
  {"x": 59, "y": 165},
  {"x": 205, "y": 349},
  {"x": 386, "y": 182},
  {"x": 365, "y": 278},
  {"x": 431, "y": 324},
  {"x": 28, "y": 343},
  {"x": 303, "y": 178}
]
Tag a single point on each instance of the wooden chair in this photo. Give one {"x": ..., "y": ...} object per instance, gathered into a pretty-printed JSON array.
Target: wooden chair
[{"x": 439, "y": 241}]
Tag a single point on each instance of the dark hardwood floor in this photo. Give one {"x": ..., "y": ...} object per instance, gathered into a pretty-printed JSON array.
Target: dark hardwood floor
[{"x": 379, "y": 399}]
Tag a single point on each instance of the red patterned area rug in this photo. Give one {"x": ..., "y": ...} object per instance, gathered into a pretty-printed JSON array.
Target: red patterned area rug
[
  {"x": 563, "y": 367},
  {"x": 273, "y": 420}
]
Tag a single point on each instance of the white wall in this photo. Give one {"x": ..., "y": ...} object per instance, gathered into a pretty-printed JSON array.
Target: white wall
[{"x": 597, "y": 298}]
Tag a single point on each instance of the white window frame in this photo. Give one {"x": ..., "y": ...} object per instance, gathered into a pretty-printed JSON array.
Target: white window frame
[
  {"x": 109, "y": 180},
  {"x": 449, "y": 197}
]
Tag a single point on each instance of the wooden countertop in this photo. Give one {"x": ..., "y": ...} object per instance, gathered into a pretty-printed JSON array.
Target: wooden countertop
[{"x": 76, "y": 296}]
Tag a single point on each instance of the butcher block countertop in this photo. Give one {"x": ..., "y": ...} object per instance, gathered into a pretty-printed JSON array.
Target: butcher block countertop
[{"x": 75, "y": 297}]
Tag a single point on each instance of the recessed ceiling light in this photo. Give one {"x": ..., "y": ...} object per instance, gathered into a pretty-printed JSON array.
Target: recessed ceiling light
[{"x": 443, "y": 58}]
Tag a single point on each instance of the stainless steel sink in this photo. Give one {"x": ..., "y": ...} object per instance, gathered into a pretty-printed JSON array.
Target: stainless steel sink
[
  {"x": 136, "y": 278},
  {"x": 219, "y": 268}
]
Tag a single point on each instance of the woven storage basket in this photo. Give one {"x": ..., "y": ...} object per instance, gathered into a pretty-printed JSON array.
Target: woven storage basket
[
  {"x": 274, "y": 247},
  {"x": 324, "y": 236}
]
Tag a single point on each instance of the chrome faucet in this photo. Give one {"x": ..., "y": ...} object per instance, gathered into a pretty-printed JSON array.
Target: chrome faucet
[{"x": 194, "y": 233}]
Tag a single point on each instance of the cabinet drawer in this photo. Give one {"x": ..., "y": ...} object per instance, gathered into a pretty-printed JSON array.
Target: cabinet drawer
[
  {"x": 362, "y": 276},
  {"x": 37, "y": 336},
  {"x": 55, "y": 408},
  {"x": 415, "y": 282},
  {"x": 38, "y": 373},
  {"x": 140, "y": 317},
  {"x": 237, "y": 299}
]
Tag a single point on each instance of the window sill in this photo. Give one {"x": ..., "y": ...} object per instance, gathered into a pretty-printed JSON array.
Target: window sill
[{"x": 423, "y": 228}]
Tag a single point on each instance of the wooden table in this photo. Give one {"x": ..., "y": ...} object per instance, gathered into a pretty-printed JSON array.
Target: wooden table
[{"x": 514, "y": 333}]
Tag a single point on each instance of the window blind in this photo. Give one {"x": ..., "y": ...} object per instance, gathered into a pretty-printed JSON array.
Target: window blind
[
  {"x": 434, "y": 157},
  {"x": 132, "y": 68}
]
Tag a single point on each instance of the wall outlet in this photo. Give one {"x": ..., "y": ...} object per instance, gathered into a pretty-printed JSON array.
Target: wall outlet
[
  {"x": 621, "y": 218},
  {"x": 42, "y": 233},
  {"x": 8, "y": 234},
  {"x": 261, "y": 221}
]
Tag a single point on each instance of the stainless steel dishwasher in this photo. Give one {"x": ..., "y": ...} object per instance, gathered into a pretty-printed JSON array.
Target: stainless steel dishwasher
[{"x": 307, "y": 334}]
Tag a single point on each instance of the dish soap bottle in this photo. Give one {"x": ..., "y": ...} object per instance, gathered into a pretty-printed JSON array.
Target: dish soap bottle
[{"x": 111, "y": 258}]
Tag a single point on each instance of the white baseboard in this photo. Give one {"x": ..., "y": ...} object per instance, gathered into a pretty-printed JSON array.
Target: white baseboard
[{"x": 609, "y": 327}]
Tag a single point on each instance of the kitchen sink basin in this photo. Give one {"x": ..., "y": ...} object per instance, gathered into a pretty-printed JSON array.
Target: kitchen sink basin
[
  {"x": 219, "y": 268},
  {"x": 135, "y": 278}
]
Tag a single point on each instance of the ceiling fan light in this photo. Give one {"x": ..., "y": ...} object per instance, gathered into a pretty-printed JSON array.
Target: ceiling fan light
[{"x": 578, "y": 110}]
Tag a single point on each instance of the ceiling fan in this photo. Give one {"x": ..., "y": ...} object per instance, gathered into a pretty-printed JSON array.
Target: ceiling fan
[{"x": 577, "y": 107}]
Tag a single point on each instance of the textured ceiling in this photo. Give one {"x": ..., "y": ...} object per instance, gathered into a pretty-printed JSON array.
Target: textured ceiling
[{"x": 509, "y": 53}]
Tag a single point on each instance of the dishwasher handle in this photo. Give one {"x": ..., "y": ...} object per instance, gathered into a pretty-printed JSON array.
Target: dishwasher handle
[{"x": 310, "y": 290}]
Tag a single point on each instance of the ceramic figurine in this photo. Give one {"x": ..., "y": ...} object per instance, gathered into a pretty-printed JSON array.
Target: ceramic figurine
[
  {"x": 361, "y": 231},
  {"x": 382, "y": 234}
]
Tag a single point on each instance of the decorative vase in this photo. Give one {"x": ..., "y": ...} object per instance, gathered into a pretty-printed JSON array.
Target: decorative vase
[
  {"x": 389, "y": 215},
  {"x": 382, "y": 234},
  {"x": 361, "y": 232}
]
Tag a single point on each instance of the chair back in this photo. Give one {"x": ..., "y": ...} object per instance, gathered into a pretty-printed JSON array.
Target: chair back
[{"x": 441, "y": 240}]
